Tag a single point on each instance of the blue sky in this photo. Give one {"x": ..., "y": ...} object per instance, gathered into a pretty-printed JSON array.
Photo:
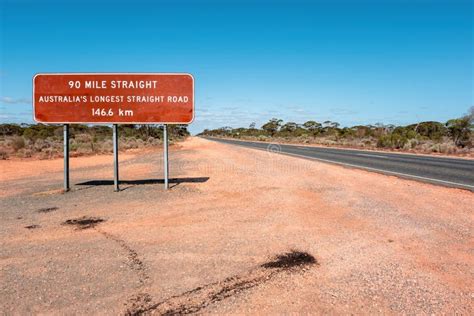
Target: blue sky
[{"x": 354, "y": 62}]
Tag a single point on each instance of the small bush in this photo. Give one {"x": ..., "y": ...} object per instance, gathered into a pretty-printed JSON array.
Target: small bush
[
  {"x": 384, "y": 141},
  {"x": 25, "y": 153},
  {"x": 17, "y": 143}
]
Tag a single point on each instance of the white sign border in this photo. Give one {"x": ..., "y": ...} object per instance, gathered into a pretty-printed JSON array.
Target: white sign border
[{"x": 111, "y": 73}]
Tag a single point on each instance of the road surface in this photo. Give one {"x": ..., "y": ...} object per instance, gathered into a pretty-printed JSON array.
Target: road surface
[{"x": 450, "y": 172}]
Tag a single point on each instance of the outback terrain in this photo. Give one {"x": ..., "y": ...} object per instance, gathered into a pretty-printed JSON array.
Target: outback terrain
[
  {"x": 239, "y": 231},
  {"x": 453, "y": 138}
]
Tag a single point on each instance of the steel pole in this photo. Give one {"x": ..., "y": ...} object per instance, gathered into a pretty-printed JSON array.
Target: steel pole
[
  {"x": 165, "y": 155},
  {"x": 66, "y": 157},
  {"x": 116, "y": 168}
]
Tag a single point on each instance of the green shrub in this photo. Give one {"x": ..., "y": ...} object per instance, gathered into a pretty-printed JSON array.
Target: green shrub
[
  {"x": 460, "y": 131},
  {"x": 384, "y": 141}
]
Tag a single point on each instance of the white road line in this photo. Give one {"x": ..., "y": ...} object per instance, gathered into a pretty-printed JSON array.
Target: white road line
[
  {"x": 400, "y": 154},
  {"x": 370, "y": 155}
]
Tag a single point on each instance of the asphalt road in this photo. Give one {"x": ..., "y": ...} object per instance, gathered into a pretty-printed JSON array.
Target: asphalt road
[{"x": 450, "y": 172}]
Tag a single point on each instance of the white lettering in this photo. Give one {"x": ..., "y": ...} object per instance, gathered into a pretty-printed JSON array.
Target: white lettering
[
  {"x": 94, "y": 84},
  {"x": 133, "y": 84},
  {"x": 177, "y": 99}
]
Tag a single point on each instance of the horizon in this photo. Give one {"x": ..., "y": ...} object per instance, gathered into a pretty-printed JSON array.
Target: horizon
[{"x": 391, "y": 62}]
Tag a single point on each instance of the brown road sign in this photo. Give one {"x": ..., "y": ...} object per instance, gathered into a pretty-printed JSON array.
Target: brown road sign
[{"x": 127, "y": 98}]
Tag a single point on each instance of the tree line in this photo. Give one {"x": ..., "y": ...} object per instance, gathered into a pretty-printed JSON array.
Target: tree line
[
  {"x": 46, "y": 141},
  {"x": 458, "y": 130},
  {"x": 98, "y": 132}
]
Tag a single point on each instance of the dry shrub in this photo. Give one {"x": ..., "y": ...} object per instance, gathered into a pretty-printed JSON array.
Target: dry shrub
[
  {"x": 435, "y": 148},
  {"x": 410, "y": 144},
  {"x": 48, "y": 153},
  {"x": 106, "y": 146},
  {"x": 39, "y": 145},
  {"x": 83, "y": 138},
  {"x": 152, "y": 141},
  {"x": 3, "y": 154},
  {"x": 84, "y": 149},
  {"x": 446, "y": 148},
  {"x": 25, "y": 153},
  {"x": 129, "y": 143},
  {"x": 44, "y": 155},
  {"x": 17, "y": 143},
  {"x": 134, "y": 143}
]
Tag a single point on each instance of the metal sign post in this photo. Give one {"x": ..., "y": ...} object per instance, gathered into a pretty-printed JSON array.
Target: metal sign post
[
  {"x": 165, "y": 155},
  {"x": 116, "y": 170},
  {"x": 66, "y": 157}
]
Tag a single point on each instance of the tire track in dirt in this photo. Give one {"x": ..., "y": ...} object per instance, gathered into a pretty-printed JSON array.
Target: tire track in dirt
[
  {"x": 134, "y": 261},
  {"x": 201, "y": 297}
]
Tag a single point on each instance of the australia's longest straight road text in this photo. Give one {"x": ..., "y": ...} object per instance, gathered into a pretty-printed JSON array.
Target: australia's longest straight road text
[{"x": 451, "y": 172}]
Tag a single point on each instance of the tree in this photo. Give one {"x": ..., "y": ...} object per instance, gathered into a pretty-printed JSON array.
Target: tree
[
  {"x": 470, "y": 114},
  {"x": 330, "y": 127},
  {"x": 430, "y": 129},
  {"x": 327, "y": 124},
  {"x": 389, "y": 128},
  {"x": 272, "y": 126},
  {"x": 226, "y": 130},
  {"x": 334, "y": 125},
  {"x": 252, "y": 125},
  {"x": 11, "y": 129},
  {"x": 460, "y": 130},
  {"x": 346, "y": 132},
  {"x": 313, "y": 127},
  {"x": 289, "y": 127},
  {"x": 361, "y": 131}
]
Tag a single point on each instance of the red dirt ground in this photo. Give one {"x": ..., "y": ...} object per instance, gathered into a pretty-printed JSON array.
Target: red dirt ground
[{"x": 381, "y": 244}]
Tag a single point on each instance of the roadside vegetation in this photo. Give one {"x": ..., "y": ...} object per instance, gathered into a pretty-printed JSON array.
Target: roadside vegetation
[
  {"x": 454, "y": 137},
  {"x": 46, "y": 141}
]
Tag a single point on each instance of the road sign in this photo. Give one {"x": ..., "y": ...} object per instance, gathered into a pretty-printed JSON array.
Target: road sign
[
  {"x": 120, "y": 98},
  {"x": 113, "y": 98}
]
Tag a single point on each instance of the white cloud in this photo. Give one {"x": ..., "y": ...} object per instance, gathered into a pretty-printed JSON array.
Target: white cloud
[
  {"x": 343, "y": 111},
  {"x": 9, "y": 100}
]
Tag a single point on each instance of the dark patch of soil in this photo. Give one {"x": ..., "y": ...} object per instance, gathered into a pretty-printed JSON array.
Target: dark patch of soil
[
  {"x": 47, "y": 209},
  {"x": 84, "y": 222},
  {"x": 34, "y": 226},
  {"x": 290, "y": 260}
]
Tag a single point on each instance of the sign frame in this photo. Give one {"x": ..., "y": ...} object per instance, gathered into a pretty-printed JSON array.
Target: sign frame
[{"x": 113, "y": 73}]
